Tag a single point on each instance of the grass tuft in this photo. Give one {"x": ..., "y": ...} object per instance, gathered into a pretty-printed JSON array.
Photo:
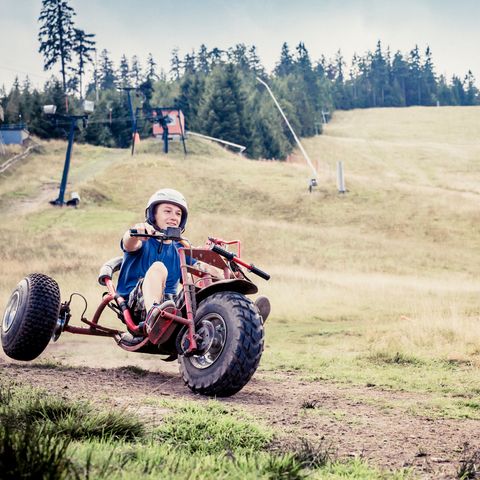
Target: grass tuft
[
  {"x": 396, "y": 358},
  {"x": 48, "y": 365},
  {"x": 100, "y": 425},
  {"x": 60, "y": 416},
  {"x": 469, "y": 467},
  {"x": 138, "y": 371},
  {"x": 210, "y": 429},
  {"x": 314, "y": 456},
  {"x": 310, "y": 404},
  {"x": 285, "y": 466},
  {"x": 28, "y": 451}
]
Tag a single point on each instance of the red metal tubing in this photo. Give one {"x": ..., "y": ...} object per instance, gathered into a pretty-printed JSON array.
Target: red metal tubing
[
  {"x": 105, "y": 301},
  {"x": 187, "y": 286},
  {"x": 126, "y": 313},
  {"x": 242, "y": 263},
  {"x": 176, "y": 318},
  {"x": 88, "y": 331},
  {"x": 219, "y": 241}
]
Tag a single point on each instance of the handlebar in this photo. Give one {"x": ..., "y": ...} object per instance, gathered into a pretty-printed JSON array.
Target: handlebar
[
  {"x": 171, "y": 233},
  {"x": 224, "y": 253},
  {"x": 174, "y": 233},
  {"x": 259, "y": 272},
  {"x": 232, "y": 257}
]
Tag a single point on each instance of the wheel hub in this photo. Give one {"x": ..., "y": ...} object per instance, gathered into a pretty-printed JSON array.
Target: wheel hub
[
  {"x": 58, "y": 328},
  {"x": 10, "y": 312},
  {"x": 212, "y": 334}
]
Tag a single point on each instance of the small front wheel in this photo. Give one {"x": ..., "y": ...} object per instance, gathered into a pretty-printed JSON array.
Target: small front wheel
[
  {"x": 30, "y": 317},
  {"x": 230, "y": 345}
]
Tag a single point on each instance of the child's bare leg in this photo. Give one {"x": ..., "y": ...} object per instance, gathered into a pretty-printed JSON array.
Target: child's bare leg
[{"x": 154, "y": 284}]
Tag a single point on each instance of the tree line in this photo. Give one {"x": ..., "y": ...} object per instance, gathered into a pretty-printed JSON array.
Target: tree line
[{"x": 218, "y": 90}]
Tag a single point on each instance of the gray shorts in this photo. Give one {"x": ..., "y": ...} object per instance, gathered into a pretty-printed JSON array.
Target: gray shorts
[{"x": 136, "y": 303}]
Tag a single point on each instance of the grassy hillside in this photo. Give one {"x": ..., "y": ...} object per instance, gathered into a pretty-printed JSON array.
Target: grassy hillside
[{"x": 377, "y": 286}]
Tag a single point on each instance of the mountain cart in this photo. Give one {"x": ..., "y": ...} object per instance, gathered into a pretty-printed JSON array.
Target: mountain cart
[{"x": 215, "y": 331}]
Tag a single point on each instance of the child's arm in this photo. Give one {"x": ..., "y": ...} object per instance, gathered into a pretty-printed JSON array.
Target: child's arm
[{"x": 132, "y": 244}]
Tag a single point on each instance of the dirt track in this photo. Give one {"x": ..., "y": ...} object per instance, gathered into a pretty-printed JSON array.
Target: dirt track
[{"x": 353, "y": 420}]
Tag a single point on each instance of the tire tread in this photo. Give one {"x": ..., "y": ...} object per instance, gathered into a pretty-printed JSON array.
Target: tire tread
[
  {"x": 35, "y": 330},
  {"x": 248, "y": 352}
]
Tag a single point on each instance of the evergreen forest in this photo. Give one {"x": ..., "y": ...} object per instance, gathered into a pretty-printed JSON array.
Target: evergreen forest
[{"x": 218, "y": 90}]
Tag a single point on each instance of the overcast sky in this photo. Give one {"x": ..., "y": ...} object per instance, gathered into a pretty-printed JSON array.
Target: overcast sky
[{"x": 451, "y": 29}]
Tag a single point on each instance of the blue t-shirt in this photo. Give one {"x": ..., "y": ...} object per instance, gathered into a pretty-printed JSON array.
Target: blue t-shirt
[{"x": 135, "y": 265}]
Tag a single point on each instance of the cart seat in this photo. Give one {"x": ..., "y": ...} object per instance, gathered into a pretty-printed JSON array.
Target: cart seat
[{"x": 109, "y": 268}]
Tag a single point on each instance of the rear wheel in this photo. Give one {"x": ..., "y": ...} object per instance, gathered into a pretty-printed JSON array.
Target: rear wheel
[
  {"x": 230, "y": 345},
  {"x": 30, "y": 317}
]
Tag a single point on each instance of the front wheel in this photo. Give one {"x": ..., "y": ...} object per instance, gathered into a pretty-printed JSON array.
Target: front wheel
[
  {"x": 30, "y": 317},
  {"x": 230, "y": 345}
]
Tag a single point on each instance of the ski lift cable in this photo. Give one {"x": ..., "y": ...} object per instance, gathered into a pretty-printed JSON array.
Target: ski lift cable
[{"x": 300, "y": 146}]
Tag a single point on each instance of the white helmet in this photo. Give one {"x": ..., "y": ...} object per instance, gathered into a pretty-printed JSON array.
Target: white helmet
[{"x": 166, "y": 195}]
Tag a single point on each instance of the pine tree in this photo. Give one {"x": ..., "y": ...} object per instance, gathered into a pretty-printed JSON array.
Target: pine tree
[
  {"x": 83, "y": 46},
  {"x": 254, "y": 63},
  {"x": 303, "y": 63},
  {"x": 354, "y": 74},
  {"x": 136, "y": 71},
  {"x": 379, "y": 77},
  {"x": 191, "y": 92},
  {"x": 56, "y": 35},
  {"x": 203, "y": 65},
  {"x": 238, "y": 56},
  {"x": 471, "y": 92},
  {"x": 189, "y": 63},
  {"x": 283, "y": 88},
  {"x": 414, "y": 80},
  {"x": 124, "y": 72},
  {"x": 223, "y": 109},
  {"x": 147, "y": 90},
  {"x": 175, "y": 64},
  {"x": 53, "y": 95},
  {"x": 215, "y": 57},
  {"x": 303, "y": 68},
  {"x": 12, "y": 111},
  {"x": 458, "y": 92},
  {"x": 151, "y": 68},
  {"x": 399, "y": 80},
  {"x": 37, "y": 124},
  {"x": 429, "y": 82},
  {"x": 270, "y": 140},
  {"x": 107, "y": 77},
  {"x": 444, "y": 93},
  {"x": 285, "y": 65},
  {"x": 341, "y": 94},
  {"x": 26, "y": 102}
]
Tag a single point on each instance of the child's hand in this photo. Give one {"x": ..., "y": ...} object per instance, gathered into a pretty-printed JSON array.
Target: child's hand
[{"x": 143, "y": 228}]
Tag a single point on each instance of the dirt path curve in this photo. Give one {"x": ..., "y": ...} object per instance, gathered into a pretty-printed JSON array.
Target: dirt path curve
[{"x": 355, "y": 421}]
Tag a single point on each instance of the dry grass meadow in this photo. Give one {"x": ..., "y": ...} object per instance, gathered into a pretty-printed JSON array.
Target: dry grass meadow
[{"x": 379, "y": 285}]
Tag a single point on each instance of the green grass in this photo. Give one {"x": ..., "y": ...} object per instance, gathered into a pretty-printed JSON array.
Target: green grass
[
  {"x": 206, "y": 440},
  {"x": 211, "y": 429},
  {"x": 58, "y": 416}
]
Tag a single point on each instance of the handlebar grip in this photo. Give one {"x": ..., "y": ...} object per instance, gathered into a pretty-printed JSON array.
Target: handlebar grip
[
  {"x": 231, "y": 256},
  {"x": 224, "y": 253},
  {"x": 135, "y": 233},
  {"x": 259, "y": 272}
]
